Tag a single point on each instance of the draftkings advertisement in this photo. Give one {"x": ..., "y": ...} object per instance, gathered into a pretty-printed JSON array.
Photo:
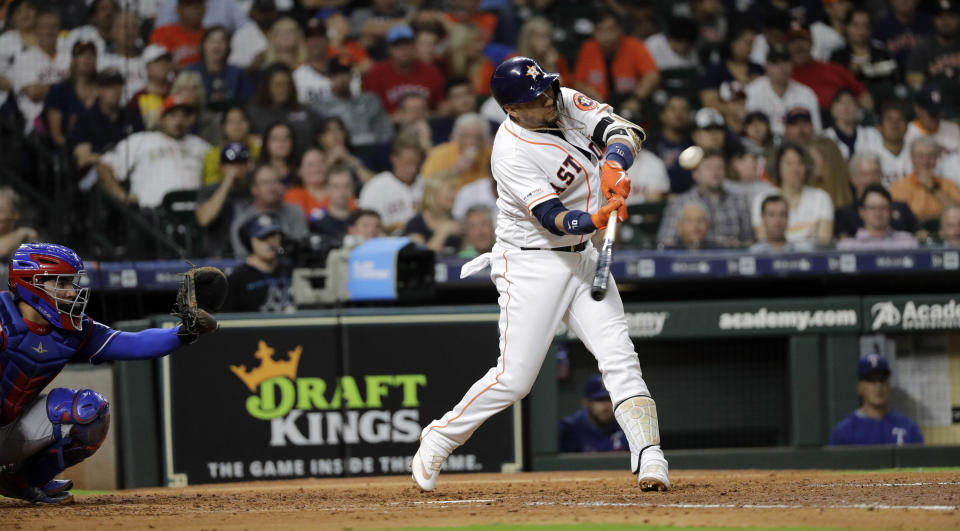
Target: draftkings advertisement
[{"x": 331, "y": 400}]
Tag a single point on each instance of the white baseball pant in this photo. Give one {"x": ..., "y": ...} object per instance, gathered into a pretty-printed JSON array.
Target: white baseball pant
[{"x": 537, "y": 290}]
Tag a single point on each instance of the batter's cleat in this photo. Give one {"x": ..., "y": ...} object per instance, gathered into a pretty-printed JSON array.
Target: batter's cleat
[
  {"x": 653, "y": 476},
  {"x": 57, "y": 486},
  {"x": 426, "y": 466}
]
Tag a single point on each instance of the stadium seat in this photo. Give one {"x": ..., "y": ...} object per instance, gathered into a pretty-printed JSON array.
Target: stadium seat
[
  {"x": 178, "y": 218},
  {"x": 640, "y": 229}
]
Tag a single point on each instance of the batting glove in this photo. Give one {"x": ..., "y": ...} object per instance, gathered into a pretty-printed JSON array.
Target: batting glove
[
  {"x": 602, "y": 217},
  {"x": 614, "y": 180}
]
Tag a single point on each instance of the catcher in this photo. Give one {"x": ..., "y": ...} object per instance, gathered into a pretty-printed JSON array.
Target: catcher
[{"x": 42, "y": 327}]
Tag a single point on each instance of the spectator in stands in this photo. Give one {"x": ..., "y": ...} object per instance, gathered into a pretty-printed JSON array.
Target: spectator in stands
[
  {"x": 312, "y": 78},
  {"x": 902, "y": 28},
  {"x": 19, "y": 34},
  {"x": 311, "y": 195},
  {"x": 429, "y": 37},
  {"x": 343, "y": 45},
  {"x": 249, "y": 42},
  {"x": 536, "y": 41},
  {"x": 875, "y": 422},
  {"x": 830, "y": 172},
  {"x": 649, "y": 180},
  {"x": 125, "y": 54},
  {"x": 674, "y": 137},
  {"x": 611, "y": 55},
  {"x": 876, "y": 207},
  {"x": 435, "y": 226},
  {"x": 183, "y": 35},
  {"x": 469, "y": 12},
  {"x": 158, "y": 63},
  {"x": 466, "y": 158},
  {"x": 285, "y": 44},
  {"x": 933, "y": 57},
  {"x": 950, "y": 227},
  {"x": 828, "y": 33},
  {"x": 276, "y": 101},
  {"x": 103, "y": 126},
  {"x": 37, "y": 68},
  {"x": 709, "y": 129},
  {"x": 798, "y": 126},
  {"x": 849, "y": 136},
  {"x": 810, "y": 209},
  {"x": 926, "y": 193},
  {"x": 734, "y": 65},
  {"x": 482, "y": 192},
  {"x": 757, "y": 134},
  {"x": 99, "y": 29},
  {"x": 478, "y": 232},
  {"x": 334, "y": 218},
  {"x": 334, "y": 139},
  {"x": 234, "y": 127},
  {"x": 73, "y": 96},
  {"x": 11, "y": 236},
  {"x": 363, "y": 225},
  {"x": 776, "y": 93},
  {"x": 189, "y": 86},
  {"x": 459, "y": 99},
  {"x": 733, "y": 106},
  {"x": 412, "y": 119},
  {"x": 894, "y": 153},
  {"x": 403, "y": 73},
  {"x": 222, "y": 82},
  {"x": 266, "y": 189},
  {"x": 396, "y": 194},
  {"x": 279, "y": 151},
  {"x": 824, "y": 78},
  {"x": 465, "y": 57},
  {"x": 226, "y": 13},
  {"x": 219, "y": 203},
  {"x": 728, "y": 212},
  {"x": 775, "y": 218},
  {"x": 866, "y": 58},
  {"x": 371, "y": 24},
  {"x": 865, "y": 171},
  {"x": 592, "y": 428},
  {"x": 675, "y": 47},
  {"x": 692, "y": 229},
  {"x": 370, "y": 126},
  {"x": 262, "y": 282},
  {"x": 743, "y": 174},
  {"x": 156, "y": 162},
  {"x": 928, "y": 110}
]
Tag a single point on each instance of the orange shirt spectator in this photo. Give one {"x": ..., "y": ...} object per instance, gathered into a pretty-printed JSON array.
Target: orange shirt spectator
[
  {"x": 486, "y": 21},
  {"x": 183, "y": 43},
  {"x": 630, "y": 64},
  {"x": 924, "y": 201},
  {"x": 300, "y": 196}
]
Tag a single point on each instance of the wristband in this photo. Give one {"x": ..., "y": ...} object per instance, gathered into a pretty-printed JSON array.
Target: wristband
[
  {"x": 619, "y": 152},
  {"x": 578, "y": 222}
]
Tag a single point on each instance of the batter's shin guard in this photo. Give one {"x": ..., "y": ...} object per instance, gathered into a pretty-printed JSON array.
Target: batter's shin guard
[
  {"x": 85, "y": 417},
  {"x": 638, "y": 418}
]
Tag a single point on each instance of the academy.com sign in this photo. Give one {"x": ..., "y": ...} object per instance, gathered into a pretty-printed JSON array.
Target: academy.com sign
[
  {"x": 913, "y": 316},
  {"x": 799, "y": 320}
]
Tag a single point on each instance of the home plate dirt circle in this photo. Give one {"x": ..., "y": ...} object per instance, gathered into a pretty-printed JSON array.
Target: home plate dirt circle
[{"x": 887, "y": 500}]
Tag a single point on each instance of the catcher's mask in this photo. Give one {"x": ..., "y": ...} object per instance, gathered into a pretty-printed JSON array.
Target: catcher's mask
[{"x": 33, "y": 265}]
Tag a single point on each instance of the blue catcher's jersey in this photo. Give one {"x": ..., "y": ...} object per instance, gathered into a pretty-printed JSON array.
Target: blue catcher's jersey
[
  {"x": 29, "y": 361},
  {"x": 893, "y": 428}
]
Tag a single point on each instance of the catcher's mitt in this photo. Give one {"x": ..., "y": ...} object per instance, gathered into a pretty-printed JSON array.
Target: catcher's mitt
[{"x": 202, "y": 292}]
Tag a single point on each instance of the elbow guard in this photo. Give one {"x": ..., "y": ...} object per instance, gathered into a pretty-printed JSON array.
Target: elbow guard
[{"x": 615, "y": 128}]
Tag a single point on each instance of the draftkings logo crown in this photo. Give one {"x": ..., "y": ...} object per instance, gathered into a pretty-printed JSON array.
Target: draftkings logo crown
[{"x": 269, "y": 367}]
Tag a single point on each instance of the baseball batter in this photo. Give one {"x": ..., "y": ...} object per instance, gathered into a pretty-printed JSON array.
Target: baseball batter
[{"x": 555, "y": 158}]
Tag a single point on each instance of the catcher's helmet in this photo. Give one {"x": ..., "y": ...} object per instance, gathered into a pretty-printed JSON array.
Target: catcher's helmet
[
  {"x": 35, "y": 263},
  {"x": 521, "y": 79}
]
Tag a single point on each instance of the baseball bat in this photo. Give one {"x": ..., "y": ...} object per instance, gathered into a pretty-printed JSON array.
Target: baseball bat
[{"x": 599, "y": 289}]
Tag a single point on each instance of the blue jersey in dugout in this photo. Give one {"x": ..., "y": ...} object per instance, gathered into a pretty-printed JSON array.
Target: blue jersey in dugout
[
  {"x": 579, "y": 434},
  {"x": 893, "y": 428}
]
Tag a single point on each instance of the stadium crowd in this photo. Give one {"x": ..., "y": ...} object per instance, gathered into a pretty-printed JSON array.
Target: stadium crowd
[{"x": 824, "y": 123}]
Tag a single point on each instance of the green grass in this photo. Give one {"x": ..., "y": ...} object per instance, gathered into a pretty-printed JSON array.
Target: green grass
[
  {"x": 604, "y": 527},
  {"x": 912, "y": 469}
]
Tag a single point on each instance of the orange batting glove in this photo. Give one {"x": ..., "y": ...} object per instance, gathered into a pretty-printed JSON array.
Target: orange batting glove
[
  {"x": 614, "y": 180},
  {"x": 602, "y": 218}
]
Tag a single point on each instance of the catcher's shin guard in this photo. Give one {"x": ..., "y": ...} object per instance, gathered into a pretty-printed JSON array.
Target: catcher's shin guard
[{"x": 638, "y": 418}]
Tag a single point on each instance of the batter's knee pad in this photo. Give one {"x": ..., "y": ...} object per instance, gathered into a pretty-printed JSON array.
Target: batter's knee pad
[
  {"x": 638, "y": 418},
  {"x": 87, "y": 413}
]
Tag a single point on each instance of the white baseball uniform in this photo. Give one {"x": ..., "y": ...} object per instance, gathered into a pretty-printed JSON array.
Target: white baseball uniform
[{"x": 540, "y": 288}]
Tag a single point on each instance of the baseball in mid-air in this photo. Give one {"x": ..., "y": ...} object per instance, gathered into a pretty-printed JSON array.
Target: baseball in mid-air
[{"x": 691, "y": 157}]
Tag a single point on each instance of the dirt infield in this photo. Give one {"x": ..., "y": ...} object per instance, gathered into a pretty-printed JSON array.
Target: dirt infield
[{"x": 886, "y": 500}]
